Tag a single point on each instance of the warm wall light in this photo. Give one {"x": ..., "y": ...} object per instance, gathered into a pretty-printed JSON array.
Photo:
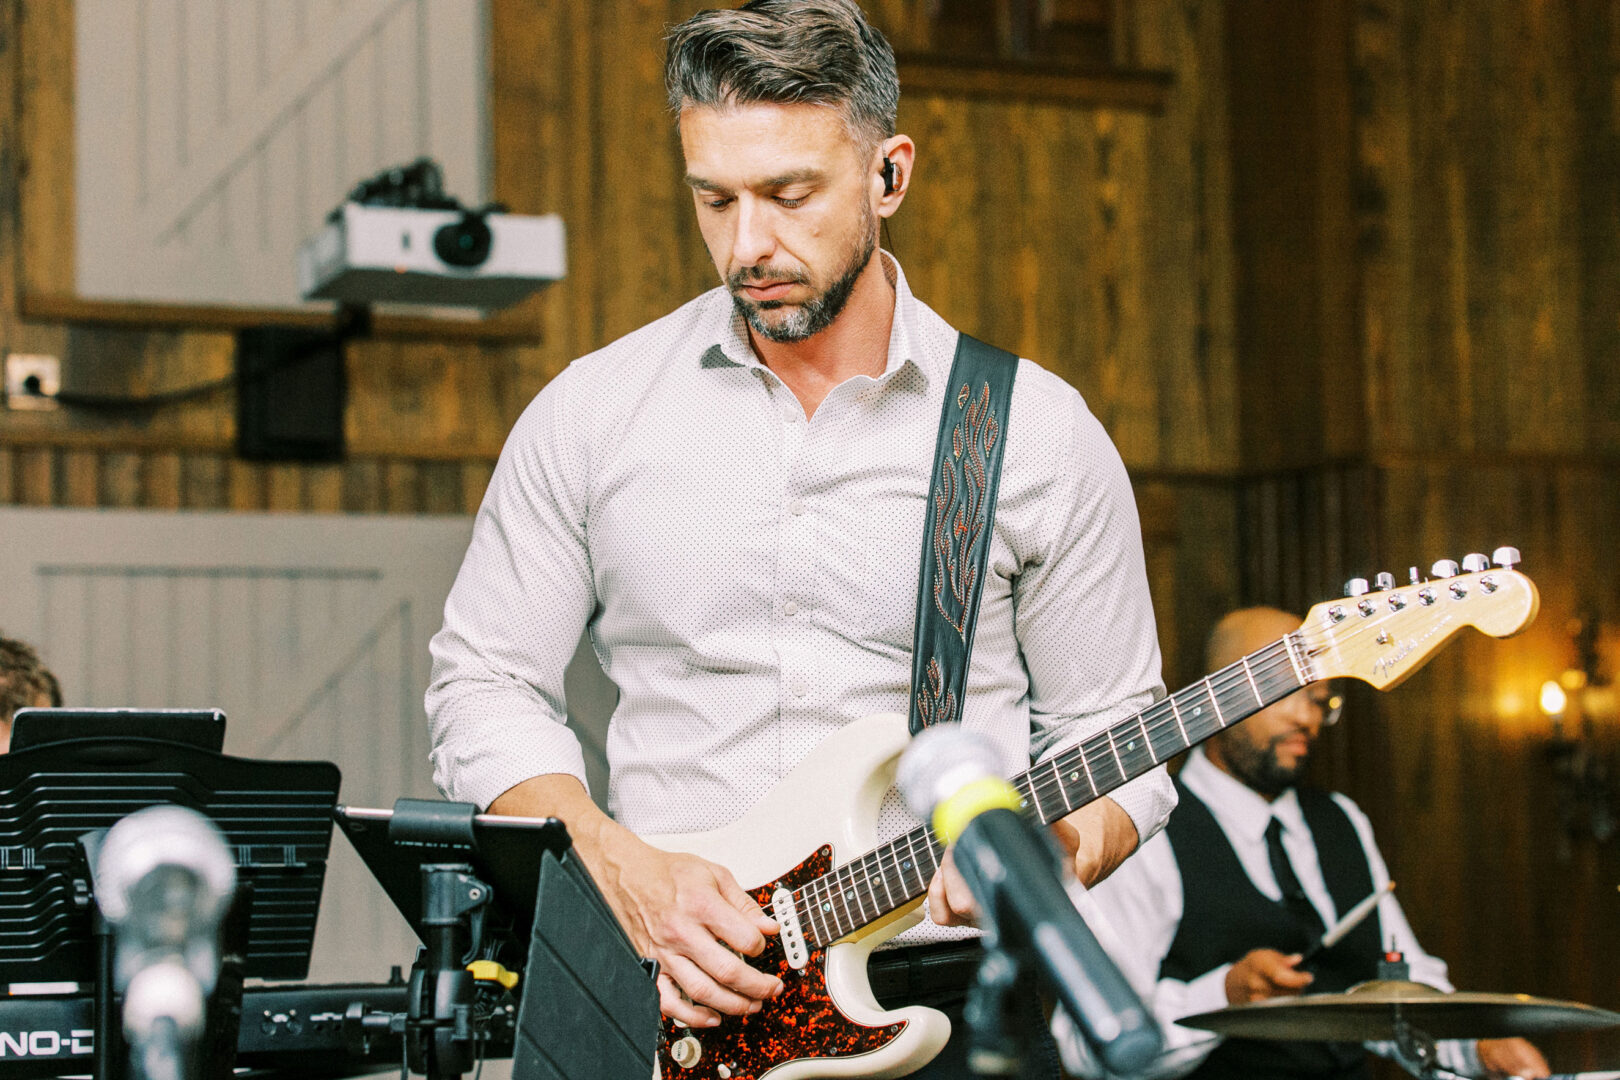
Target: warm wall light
[{"x": 1553, "y": 700}]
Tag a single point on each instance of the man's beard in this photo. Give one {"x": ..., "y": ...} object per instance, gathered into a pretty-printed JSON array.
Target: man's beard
[
  {"x": 1258, "y": 767},
  {"x": 814, "y": 315}
]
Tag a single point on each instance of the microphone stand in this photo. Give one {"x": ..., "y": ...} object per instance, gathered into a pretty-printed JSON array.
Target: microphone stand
[
  {"x": 439, "y": 1034},
  {"x": 995, "y": 1042},
  {"x": 106, "y": 1052}
]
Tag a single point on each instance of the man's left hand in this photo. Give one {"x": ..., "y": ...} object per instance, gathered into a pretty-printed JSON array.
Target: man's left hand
[
  {"x": 1511, "y": 1057},
  {"x": 1097, "y": 838}
]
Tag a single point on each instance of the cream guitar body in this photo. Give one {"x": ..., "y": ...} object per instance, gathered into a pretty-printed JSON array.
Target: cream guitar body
[{"x": 822, "y": 814}]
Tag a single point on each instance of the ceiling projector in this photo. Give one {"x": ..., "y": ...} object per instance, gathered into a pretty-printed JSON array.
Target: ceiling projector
[{"x": 399, "y": 239}]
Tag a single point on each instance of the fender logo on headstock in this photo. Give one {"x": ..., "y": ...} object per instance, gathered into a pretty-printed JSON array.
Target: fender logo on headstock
[{"x": 1385, "y": 665}]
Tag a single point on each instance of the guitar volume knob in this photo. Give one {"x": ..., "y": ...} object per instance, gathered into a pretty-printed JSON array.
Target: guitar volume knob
[{"x": 686, "y": 1051}]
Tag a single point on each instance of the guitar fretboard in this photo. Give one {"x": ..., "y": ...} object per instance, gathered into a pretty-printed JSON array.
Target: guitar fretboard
[{"x": 864, "y": 890}]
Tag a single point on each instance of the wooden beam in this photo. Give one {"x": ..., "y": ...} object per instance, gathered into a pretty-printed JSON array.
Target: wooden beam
[
  {"x": 1132, "y": 91},
  {"x": 56, "y": 308}
]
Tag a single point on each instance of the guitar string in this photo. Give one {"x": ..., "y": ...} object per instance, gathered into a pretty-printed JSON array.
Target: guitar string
[
  {"x": 1273, "y": 665},
  {"x": 1264, "y": 667},
  {"x": 1269, "y": 660}
]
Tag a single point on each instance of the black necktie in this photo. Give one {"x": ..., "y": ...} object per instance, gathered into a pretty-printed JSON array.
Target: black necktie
[{"x": 1293, "y": 895}]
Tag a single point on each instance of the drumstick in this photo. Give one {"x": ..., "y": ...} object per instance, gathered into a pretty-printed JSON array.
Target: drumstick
[{"x": 1351, "y": 920}]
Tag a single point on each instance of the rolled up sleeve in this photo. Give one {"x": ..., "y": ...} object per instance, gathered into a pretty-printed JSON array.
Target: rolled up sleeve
[{"x": 512, "y": 622}]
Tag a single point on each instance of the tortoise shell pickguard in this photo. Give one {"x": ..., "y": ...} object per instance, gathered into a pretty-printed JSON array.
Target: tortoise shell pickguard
[{"x": 802, "y": 1023}]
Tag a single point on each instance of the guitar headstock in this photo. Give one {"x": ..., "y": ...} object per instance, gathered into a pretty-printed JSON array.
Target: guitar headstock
[{"x": 1383, "y": 635}]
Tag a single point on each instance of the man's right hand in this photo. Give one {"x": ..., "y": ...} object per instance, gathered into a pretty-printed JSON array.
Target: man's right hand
[
  {"x": 685, "y": 912},
  {"x": 1265, "y": 973}
]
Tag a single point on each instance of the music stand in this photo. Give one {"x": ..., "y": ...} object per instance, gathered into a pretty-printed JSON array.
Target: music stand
[
  {"x": 196, "y": 727},
  {"x": 588, "y": 1008},
  {"x": 56, "y": 795}
]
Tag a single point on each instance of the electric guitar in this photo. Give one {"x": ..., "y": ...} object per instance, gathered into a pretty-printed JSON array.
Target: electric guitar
[{"x": 837, "y": 894}]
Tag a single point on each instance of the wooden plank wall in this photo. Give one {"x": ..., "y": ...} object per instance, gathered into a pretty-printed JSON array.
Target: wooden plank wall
[
  {"x": 1442, "y": 316},
  {"x": 1346, "y": 305},
  {"x": 1096, "y": 241},
  {"x": 426, "y": 415}
]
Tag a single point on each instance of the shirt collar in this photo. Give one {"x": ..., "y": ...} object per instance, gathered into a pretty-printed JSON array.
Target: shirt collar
[
  {"x": 728, "y": 344},
  {"x": 1240, "y": 809}
]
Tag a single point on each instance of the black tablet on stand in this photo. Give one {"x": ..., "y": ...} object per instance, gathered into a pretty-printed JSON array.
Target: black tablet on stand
[{"x": 588, "y": 1006}]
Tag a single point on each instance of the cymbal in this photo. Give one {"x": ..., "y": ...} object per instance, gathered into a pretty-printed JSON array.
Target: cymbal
[{"x": 1371, "y": 1010}]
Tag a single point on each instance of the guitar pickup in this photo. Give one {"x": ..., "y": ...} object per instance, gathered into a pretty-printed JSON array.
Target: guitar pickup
[{"x": 787, "y": 917}]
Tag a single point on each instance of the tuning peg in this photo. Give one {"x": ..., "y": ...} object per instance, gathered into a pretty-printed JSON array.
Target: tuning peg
[
  {"x": 1505, "y": 557},
  {"x": 1356, "y": 586},
  {"x": 1384, "y": 581},
  {"x": 1417, "y": 579},
  {"x": 1474, "y": 562},
  {"x": 1445, "y": 568}
]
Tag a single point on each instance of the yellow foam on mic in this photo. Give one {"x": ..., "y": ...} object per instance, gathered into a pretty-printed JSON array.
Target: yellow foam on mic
[{"x": 972, "y": 799}]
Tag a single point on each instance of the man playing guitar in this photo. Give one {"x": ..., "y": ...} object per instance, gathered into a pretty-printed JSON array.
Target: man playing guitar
[{"x": 731, "y": 499}]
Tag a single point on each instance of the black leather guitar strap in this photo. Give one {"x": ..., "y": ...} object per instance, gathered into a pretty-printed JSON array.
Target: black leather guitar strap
[{"x": 956, "y": 532}]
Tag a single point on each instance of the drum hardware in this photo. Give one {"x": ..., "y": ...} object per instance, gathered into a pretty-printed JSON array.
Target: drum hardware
[{"x": 1378, "y": 1010}]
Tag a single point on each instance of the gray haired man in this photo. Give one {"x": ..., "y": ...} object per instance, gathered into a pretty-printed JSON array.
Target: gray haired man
[{"x": 731, "y": 500}]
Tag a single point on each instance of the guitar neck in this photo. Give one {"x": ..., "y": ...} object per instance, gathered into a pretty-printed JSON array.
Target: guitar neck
[{"x": 861, "y": 892}]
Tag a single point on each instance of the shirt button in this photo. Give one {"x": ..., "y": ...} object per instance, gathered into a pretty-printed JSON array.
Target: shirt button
[
  {"x": 799, "y": 686},
  {"x": 790, "y": 609},
  {"x": 796, "y": 507}
]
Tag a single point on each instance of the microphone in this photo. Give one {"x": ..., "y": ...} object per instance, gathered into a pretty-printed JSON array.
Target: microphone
[
  {"x": 952, "y": 777},
  {"x": 163, "y": 878}
]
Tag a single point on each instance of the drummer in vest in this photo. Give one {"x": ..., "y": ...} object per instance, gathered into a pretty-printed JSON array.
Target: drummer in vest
[{"x": 1221, "y": 907}]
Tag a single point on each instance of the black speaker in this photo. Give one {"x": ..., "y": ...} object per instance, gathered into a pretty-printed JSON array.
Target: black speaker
[{"x": 291, "y": 389}]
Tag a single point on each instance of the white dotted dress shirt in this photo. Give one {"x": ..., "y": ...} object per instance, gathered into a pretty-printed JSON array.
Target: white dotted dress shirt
[
  {"x": 1142, "y": 902},
  {"x": 749, "y": 575}
]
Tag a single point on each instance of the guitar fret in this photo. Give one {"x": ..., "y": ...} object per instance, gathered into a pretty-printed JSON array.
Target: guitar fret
[
  {"x": 887, "y": 892},
  {"x": 1091, "y": 780},
  {"x": 869, "y": 897},
  {"x": 1074, "y": 774},
  {"x": 1030, "y": 796},
  {"x": 911, "y": 850},
  {"x": 854, "y": 888},
  {"x": 933, "y": 855},
  {"x": 812, "y": 896},
  {"x": 807, "y": 903},
  {"x": 875, "y": 877},
  {"x": 1176, "y": 712},
  {"x": 1057, "y": 775},
  {"x": 841, "y": 900},
  {"x": 831, "y": 899},
  {"x": 1254, "y": 688},
  {"x": 926, "y": 875},
  {"x": 1146, "y": 740},
  {"x": 1293, "y": 658},
  {"x": 1115, "y": 748},
  {"x": 1209, "y": 688}
]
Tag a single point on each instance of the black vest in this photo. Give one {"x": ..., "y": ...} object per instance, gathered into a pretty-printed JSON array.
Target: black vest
[{"x": 1225, "y": 916}]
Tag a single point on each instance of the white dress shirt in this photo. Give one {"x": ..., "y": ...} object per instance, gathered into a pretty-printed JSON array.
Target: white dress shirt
[
  {"x": 1142, "y": 904},
  {"x": 749, "y": 575}
]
